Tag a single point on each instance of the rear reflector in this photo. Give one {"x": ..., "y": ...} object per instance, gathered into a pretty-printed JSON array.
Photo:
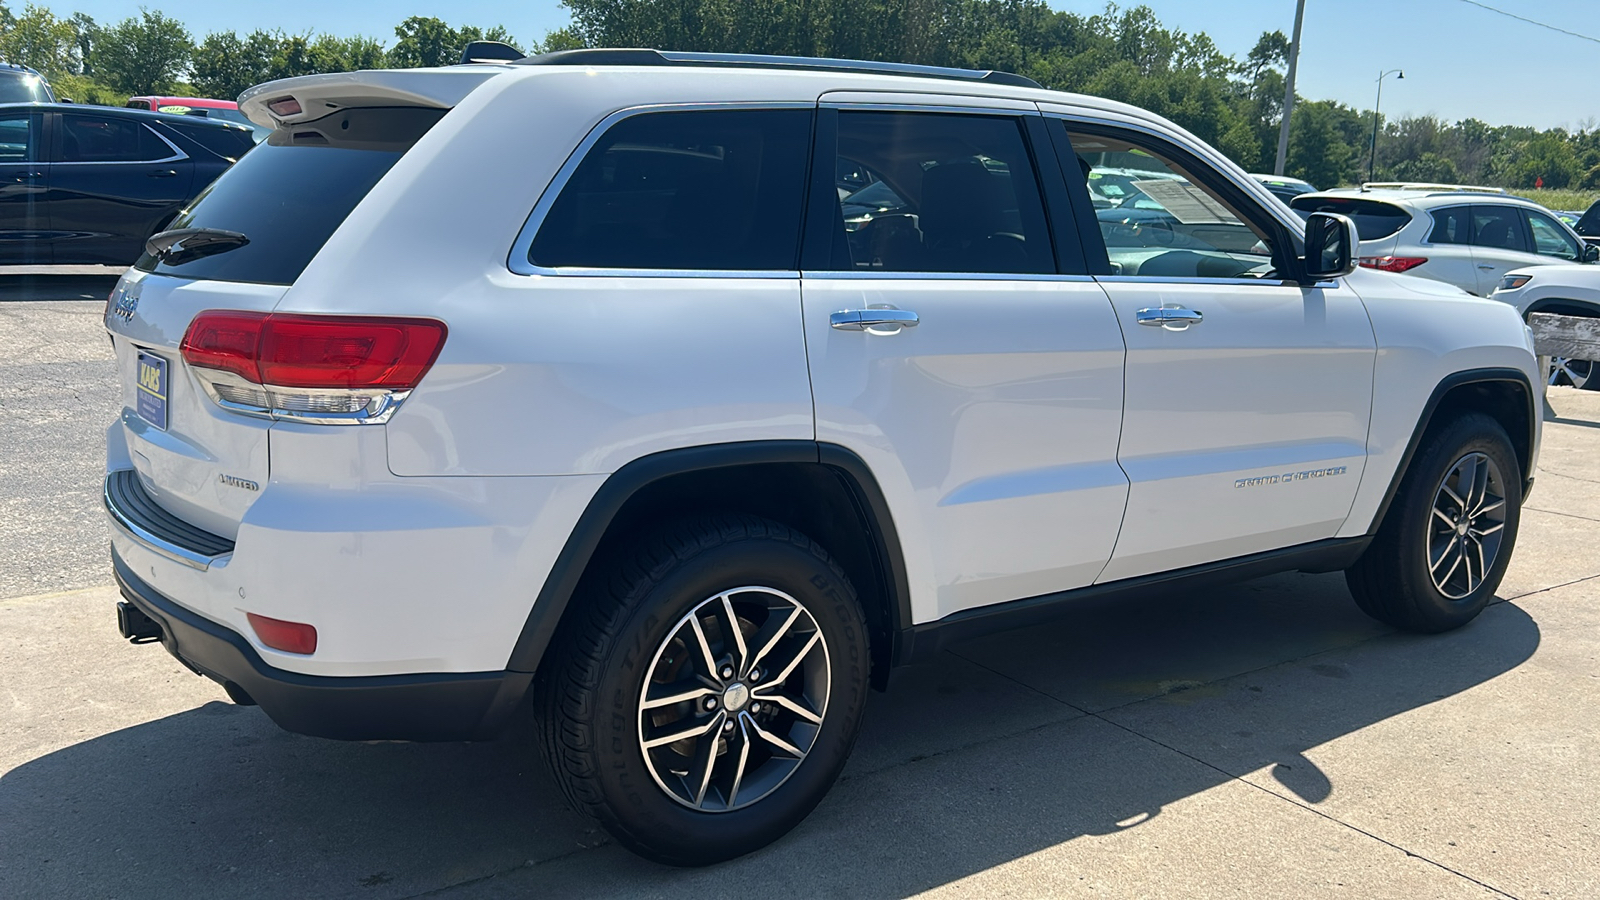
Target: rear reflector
[
  {"x": 290, "y": 637},
  {"x": 1393, "y": 263},
  {"x": 338, "y": 352}
]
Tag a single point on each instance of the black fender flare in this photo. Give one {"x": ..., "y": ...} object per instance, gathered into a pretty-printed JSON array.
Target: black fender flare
[
  {"x": 562, "y": 581},
  {"x": 1445, "y": 386}
]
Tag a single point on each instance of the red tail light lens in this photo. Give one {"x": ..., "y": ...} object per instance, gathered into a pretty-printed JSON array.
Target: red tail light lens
[
  {"x": 1393, "y": 263},
  {"x": 290, "y": 637},
  {"x": 351, "y": 352}
]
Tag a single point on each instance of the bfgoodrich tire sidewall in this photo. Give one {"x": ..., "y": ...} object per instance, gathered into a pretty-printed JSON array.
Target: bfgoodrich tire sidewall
[{"x": 654, "y": 824}]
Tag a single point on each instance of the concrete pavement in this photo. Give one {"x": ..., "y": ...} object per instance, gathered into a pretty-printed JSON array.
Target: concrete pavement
[{"x": 1260, "y": 740}]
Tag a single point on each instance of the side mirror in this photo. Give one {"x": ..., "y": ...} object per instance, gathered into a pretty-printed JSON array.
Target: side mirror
[
  {"x": 1331, "y": 242},
  {"x": 1591, "y": 253}
]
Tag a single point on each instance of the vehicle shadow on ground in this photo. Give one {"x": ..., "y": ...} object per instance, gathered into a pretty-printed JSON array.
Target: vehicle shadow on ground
[
  {"x": 56, "y": 287},
  {"x": 968, "y": 763}
]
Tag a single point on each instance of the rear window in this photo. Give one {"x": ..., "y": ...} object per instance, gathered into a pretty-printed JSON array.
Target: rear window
[
  {"x": 1374, "y": 219},
  {"x": 228, "y": 143},
  {"x": 715, "y": 190},
  {"x": 292, "y": 192}
]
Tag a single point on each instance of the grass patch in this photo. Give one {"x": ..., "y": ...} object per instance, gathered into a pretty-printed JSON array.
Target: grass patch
[{"x": 1578, "y": 200}]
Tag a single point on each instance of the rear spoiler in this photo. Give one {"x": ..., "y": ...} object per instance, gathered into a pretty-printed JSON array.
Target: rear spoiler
[{"x": 291, "y": 101}]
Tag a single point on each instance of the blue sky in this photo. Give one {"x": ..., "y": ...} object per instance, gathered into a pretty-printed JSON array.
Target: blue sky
[{"x": 1459, "y": 60}]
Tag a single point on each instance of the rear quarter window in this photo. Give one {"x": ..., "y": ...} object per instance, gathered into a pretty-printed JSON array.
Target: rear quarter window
[
  {"x": 1374, "y": 219},
  {"x": 292, "y": 192},
  {"x": 228, "y": 143},
  {"x": 714, "y": 190}
]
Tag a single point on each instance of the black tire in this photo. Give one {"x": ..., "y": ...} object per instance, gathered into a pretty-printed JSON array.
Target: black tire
[
  {"x": 1393, "y": 581},
  {"x": 589, "y": 689}
]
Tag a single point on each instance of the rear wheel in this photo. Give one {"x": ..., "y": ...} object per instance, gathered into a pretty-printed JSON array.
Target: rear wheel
[
  {"x": 1444, "y": 545},
  {"x": 705, "y": 700}
]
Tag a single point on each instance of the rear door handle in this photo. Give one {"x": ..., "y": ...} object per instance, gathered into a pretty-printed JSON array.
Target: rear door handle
[
  {"x": 1488, "y": 268},
  {"x": 26, "y": 177},
  {"x": 1169, "y": 316},
  {"x": 164, "y": 173},
  {"x": 862, "y": 319}
]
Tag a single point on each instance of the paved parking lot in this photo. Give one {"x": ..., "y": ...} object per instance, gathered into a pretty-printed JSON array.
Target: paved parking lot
[{"x": 1262, "y": 740}]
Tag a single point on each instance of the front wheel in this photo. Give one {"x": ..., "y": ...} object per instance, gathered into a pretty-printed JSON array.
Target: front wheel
[
  {"x": 705, "y": 700},
  {"x": 1447, "y": 539},
  {"x": 1578, "y": 373}
]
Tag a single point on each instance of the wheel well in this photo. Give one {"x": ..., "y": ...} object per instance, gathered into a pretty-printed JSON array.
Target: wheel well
[
  {"x": 1561, "y": 307},
  {"x": 1507, "y": 402},
  {"x": 823, "y": 502}
]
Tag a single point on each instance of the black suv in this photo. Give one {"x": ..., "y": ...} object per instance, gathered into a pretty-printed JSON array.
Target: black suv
[
  {"x": 88, "y": 184},
  {"x": 20, "y": 84}
]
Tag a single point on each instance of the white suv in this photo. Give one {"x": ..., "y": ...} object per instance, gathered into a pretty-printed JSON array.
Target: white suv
[
  {"x": 568, "y": 379},
  {"x": 1468, "y": 237}
]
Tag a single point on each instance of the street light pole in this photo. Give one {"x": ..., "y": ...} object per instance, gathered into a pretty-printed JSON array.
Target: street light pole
[
  {"x": 1288, "y": 91},
  {"x": 1372, "y": 161}
]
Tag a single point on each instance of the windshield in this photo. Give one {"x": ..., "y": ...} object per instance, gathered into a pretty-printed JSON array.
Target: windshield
[{"x": 291, "y": 193}]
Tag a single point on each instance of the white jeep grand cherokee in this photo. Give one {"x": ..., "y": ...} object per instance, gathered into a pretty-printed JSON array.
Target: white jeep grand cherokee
[{"x": 595, "y": 379}]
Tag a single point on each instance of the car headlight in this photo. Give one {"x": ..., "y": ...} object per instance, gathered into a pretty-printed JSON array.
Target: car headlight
[{"x": 1512, "y": 282}]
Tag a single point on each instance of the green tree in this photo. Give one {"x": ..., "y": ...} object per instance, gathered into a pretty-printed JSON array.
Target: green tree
[
  {"x": 142, "y": 55},
  {"x": 39, "y": 40}
]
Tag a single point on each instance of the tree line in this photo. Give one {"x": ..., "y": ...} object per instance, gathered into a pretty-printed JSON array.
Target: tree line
[{"x": 1122, "y": 54}]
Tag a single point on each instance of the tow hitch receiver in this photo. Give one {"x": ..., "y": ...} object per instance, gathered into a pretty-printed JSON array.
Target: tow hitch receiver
[{"x": 135, "y": 625}]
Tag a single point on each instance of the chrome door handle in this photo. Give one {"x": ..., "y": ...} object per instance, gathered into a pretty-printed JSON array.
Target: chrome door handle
[
  {"x": 862, "y": 319},
  {"x": 1169, "y": 316}
]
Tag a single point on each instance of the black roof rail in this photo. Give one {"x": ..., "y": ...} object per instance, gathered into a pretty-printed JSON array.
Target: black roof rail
[
  {"x": 490, "y": 52},
  {"x": 640, "y": 57}
]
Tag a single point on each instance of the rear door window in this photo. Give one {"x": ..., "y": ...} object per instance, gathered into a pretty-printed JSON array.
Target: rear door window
[
  {"x": 292, "y": 192},
  {"x": 1375, "y": 219},
  {"x": 104, "y": 139},
  {"x": 717, "y": 190},
  {"x": 1498, "y": 228}
]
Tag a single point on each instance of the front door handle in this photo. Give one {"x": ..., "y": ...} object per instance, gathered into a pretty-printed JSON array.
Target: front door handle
[
  {"x": 1169, "y": 316},
  {"x": 164, "y": 173},
  {"x": 1488, "y": 268},
  {"x": 862, "y": 319}
]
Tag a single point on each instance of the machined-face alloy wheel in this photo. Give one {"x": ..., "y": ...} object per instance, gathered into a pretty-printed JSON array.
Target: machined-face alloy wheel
[
  {"x": 1571, "y": 372},
  {"x": 1467, "y": 525},
  {"x": 734, "y": 699}
]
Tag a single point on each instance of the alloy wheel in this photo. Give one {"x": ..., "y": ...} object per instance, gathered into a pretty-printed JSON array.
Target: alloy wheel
[
  {"x": 734, "y": 699},
  {"x": 1571, "y": 372},
  {"x": 1466, "y": 526}
]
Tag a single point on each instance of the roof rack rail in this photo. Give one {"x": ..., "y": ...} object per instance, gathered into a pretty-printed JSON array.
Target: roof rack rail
[
  {"x": 640, "y": 57},
  {"x": 1430, "y": 187},
  {"x": 490, "y": 52}
]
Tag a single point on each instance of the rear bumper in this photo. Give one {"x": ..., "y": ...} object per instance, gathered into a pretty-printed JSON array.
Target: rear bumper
[{"x": 415, "y": 707}]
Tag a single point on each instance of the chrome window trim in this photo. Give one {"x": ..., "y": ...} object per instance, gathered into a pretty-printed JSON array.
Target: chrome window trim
[
  {"x": 179, "y": 156},
  {"x": 1196, "y": 279},
  {"x": 976, "y": 110},
  {"x": 518, "y": 259},
  {"x": 883, "y": 275}
]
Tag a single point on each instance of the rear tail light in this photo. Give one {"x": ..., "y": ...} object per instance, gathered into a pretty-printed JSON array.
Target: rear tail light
[
  {"x": 328, "y": 369},
  {"x": 290, "y": 637},
  {"x": 1393, "y": 263}
]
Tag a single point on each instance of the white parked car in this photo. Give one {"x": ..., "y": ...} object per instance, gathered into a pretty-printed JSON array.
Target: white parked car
[
  {"x": 1468, "y": 237},
  {"x": 566, "y": 381},
  {"x": 1563, "y": 291}
]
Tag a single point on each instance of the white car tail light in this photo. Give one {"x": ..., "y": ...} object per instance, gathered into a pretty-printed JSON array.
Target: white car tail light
[{"x": 343, "y": 370}]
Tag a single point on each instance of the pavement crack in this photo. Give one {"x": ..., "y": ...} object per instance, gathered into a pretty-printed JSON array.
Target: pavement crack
[
  {"x": 1553, "y": 587},
  {"x": 1565, "y": 515},
  {"x": 530, "y": 864}
]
